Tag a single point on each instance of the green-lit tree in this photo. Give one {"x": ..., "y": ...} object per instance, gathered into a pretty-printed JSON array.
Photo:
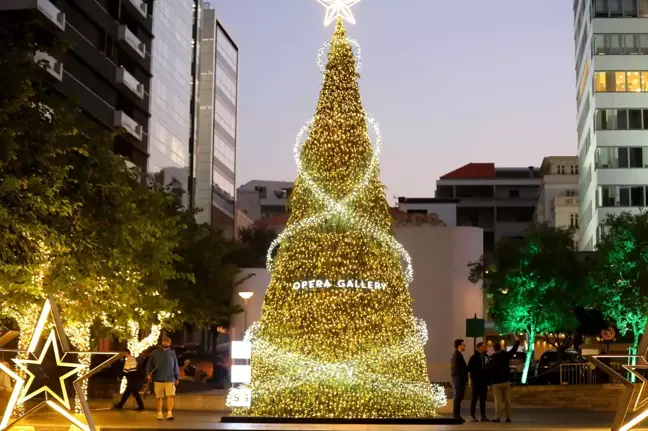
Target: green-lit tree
[
  {"x": 533, "y": 285},
  {"x": 620, "y": 272}
]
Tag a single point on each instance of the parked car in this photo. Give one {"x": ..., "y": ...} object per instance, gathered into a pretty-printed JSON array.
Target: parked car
[
  {"x": 547, "y": 369},
  {"x": 516, "y": 365}
]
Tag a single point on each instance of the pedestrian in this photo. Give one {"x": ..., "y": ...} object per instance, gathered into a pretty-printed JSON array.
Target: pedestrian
[
  {"x": 500, "y": 375},
  {"x": 459, "y": 374},
  {"x": 134, "y": 382},
  {"x": 5, "y": 388},
  {"x": 479, "y": 380},
  {"x": 164, "y": 371}
]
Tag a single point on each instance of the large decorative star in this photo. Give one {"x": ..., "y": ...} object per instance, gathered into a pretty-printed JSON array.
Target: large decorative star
[
  {"x": 633, "y": 405},
  {"x": 338, "y": 8},
  {"x": 48, "y": 372}
]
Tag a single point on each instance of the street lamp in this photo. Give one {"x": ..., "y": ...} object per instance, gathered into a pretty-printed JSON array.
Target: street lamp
[{"x": 245, "y": 296}]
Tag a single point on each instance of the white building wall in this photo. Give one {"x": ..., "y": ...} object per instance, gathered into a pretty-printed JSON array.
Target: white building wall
[
  {"x": 441, "y": 292},
  {"x": 589, "y": 139}
]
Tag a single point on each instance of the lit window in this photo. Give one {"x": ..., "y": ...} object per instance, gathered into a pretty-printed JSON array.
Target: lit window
[
  {"x": 644, "y": 81},
  {"x": 620, "y": 82},
  {"x": 634, "y": 81},
  {"x": 600, "y": 82}
]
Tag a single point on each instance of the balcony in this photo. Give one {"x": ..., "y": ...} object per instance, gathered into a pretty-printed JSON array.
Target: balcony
[
  {"x": 133, "y": 41},
  {"x": 129, "y": 81},
  {"x": 54, "y": 67},
  {"x": 140, "y": 6},
  {"x": 45, "y": 7},
  {"x": 565, "y": 201},
  {"x": 131, "y": 126}
]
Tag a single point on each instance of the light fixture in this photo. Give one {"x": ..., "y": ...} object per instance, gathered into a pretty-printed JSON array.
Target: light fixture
[{"x": 246, "y": 295}]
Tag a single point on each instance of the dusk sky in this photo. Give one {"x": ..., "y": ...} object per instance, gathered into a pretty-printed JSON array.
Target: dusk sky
[{"x": 449, "y": 82}]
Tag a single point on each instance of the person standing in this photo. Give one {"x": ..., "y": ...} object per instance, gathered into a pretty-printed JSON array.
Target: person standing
[
  {"x": 500, "y": 374},
  {"x": 479, "y": 381},
  {"x": 459, "y": 374},
  {"x": 163, "y": 369},
  {"x": 134, "y": 382}
]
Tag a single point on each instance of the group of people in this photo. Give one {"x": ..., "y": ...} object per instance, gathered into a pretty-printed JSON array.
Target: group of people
[
  {"x": 484, "y": 371},
  {"x": 161, "y": 369}
]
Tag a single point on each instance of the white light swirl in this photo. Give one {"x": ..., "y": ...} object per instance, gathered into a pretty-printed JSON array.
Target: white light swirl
[
  {"x": 341, "y": 207},
  {"x": 354, "y": 43}
]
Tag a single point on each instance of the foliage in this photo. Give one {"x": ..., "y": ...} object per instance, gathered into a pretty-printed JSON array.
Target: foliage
[
  {"x": 620, "y": 272},
  {"x": 203, "y": 298},
  {"x": 252, "y": 247},
  {"x": 74, "y": 221},
  {"x": 533, "y": 285}
]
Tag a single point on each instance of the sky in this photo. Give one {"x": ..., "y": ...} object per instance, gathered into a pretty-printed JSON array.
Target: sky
[{"x": 450, "y": 82}]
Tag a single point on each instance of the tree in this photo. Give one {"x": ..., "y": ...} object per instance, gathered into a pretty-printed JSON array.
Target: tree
[
  {"x": 204, "y": 296},
  {"x": 337, "y": 336},
  {"x": 533, "y": 285},
  {"x": 621, "y": 272},
  {"x": 253, "y": 245},
  {"x": 75, "y": 221}
]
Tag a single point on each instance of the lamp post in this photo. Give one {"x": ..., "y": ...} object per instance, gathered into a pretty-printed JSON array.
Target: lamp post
[{"x": 245, "y": 296}]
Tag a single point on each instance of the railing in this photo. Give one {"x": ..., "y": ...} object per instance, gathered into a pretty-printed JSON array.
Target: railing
[
  {"x": 54, "y": 68},
  {"x": 130, "y": 38},
  {"x": 49, "y": 10},
  {"x": 577, "y": 374},
  {"x": 124, "y": 77},
  {"x": 141, "y": 6},
  {"x": 123, "y": 120},
  {"x": 565, "y": 200}
]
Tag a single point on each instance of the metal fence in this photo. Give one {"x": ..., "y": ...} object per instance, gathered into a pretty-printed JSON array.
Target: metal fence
[{"x": 577, "y": 374}]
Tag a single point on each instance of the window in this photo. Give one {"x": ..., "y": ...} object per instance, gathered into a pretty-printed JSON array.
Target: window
[
  {"x": 617, "y": 8},
  {"x": 642, "y": 8},
  {"x": 561, "y": 169},
  {"x": 634, "y": 82},
  {"x": 571, "y": 193},
  {"x": 600, "y": 82},
  {"x": 514, "y": 193},
  {"x": 622, "y": 196},
  {"x": 573, "y": 169},
  {"x": 620, "y": 82},
  {"x": 605, "y": 119},
  {"x": 621, "y": 157},
  {"x": 622, "y": 119},
  {"x": 573, "y": 220},
  {"x": 634, "y": 119}
]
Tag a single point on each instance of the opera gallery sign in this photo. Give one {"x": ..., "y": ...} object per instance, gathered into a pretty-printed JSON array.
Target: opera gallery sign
[{"x": 339, "y": 284}]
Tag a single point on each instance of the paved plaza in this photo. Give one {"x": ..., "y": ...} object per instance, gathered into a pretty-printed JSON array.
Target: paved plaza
[{"x": 525, "y": 419}]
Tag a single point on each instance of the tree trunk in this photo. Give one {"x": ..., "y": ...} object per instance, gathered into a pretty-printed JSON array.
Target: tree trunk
[{"x": 529, "y": 355}]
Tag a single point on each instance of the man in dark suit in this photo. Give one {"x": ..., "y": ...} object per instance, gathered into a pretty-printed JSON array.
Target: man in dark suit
[
  {"x": 459, "y": 374},
  {"x": 479, "y": 380}
]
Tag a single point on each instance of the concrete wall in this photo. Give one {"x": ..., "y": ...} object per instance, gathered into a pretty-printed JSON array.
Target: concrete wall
[{"x": 441, "y": 292}]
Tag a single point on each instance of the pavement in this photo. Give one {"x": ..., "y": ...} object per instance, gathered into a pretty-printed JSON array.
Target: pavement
[{"x": 524, "y": 419}]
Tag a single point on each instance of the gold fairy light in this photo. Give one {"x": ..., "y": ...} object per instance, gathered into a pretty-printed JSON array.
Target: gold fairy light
[{"x": 339, "y": 352}]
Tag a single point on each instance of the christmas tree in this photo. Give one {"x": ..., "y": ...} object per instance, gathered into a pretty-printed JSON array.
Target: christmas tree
[{"x": 337, "y": 336}]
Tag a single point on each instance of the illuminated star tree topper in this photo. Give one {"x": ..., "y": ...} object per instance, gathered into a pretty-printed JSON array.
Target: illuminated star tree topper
[{"x": 339, "y": 9}]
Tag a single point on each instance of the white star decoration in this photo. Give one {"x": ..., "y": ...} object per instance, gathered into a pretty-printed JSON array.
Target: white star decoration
[
  {"x": 338, "y": 8},
  {"x": 23, "y": 391}
]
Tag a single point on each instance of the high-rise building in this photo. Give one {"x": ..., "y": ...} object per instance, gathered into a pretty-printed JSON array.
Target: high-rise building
[
  {"x": 108, "y": 68},
  {"x": 612, "y": 99},
  {"x": 217, "y": 125},
  {"x": 172, "y": 94},
  {"x": 558, "y": 201}
]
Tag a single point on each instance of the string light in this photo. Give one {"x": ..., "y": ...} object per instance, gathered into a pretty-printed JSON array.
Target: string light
[
  {"x": 320, "y": 54},
  {"x": 347, "y": 353}
]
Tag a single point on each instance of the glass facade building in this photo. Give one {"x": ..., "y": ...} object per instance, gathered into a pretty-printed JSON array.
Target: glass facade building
[
  {"x": 217, "y": 125},
  {"x": 171, "y": 114}
]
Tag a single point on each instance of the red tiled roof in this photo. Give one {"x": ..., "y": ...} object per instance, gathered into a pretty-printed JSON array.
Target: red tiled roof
[{"x": 471, "y": 171}]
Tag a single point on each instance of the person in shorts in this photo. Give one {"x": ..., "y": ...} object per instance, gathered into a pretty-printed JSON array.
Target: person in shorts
[{"x": 164, "y": 371}]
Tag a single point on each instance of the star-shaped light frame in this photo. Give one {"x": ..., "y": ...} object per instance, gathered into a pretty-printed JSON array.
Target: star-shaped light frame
[
  {"x": 338, "y": 9},
  {"x": 633, "y": 404},
  {"x": 62, "y": 406}
]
